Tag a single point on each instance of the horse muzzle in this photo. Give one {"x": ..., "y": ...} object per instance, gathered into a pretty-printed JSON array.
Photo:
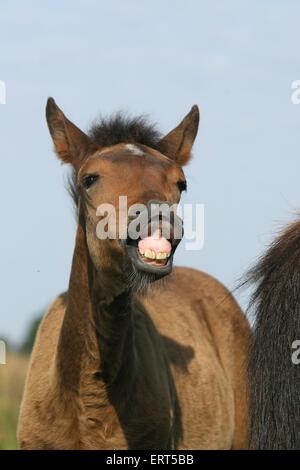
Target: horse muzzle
[{"x": 153, "y": 236}]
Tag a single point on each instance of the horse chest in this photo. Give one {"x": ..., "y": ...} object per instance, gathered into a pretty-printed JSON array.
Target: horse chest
[{"x": 143, "y": 421}]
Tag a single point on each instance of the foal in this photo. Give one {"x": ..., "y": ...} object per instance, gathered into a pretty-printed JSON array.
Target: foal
[{"x": 114, "y": 368}]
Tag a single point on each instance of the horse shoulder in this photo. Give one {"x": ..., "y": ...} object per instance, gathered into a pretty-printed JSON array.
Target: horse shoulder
[
  {"x": 206, "y": 336},
  {"x": 38, "y": 381}
]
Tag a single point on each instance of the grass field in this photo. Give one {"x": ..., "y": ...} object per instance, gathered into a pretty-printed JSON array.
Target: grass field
[{"x": 12, "y": 377}]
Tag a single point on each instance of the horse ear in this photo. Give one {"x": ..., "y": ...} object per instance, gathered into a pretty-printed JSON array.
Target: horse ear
[
  {"x": 70, "y": 143},
  {"x": 178, "y": 143}
]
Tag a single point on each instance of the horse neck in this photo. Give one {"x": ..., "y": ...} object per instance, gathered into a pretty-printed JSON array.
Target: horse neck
[{"x": 97, "y": 330}]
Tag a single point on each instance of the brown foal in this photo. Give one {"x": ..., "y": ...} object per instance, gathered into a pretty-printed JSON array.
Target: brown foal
[{"x": 124, "y": 360}]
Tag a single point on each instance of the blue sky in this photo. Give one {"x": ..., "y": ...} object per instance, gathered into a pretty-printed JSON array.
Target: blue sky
[{"x": 235, "y": 59}]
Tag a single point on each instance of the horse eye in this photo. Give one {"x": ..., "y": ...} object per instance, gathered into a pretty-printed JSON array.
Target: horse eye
[
  {"x": 88, "y": 180},
  {"x": 181, "y": 185}
]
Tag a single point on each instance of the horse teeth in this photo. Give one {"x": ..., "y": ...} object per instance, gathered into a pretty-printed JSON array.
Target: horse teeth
[
  {"x": 153, "y": 255},
  {"x": 161, "y": 255},
  {"x": 149, "y": 254}
]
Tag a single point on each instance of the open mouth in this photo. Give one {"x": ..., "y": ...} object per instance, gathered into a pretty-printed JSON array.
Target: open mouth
[{"x": 153, "y": 254}]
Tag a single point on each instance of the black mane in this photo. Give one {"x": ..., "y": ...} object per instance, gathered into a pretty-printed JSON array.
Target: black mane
[{"x": 122, "y": 128}]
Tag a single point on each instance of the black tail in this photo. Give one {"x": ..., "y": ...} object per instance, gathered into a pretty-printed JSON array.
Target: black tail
[{"x": 273, "y": 370}]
